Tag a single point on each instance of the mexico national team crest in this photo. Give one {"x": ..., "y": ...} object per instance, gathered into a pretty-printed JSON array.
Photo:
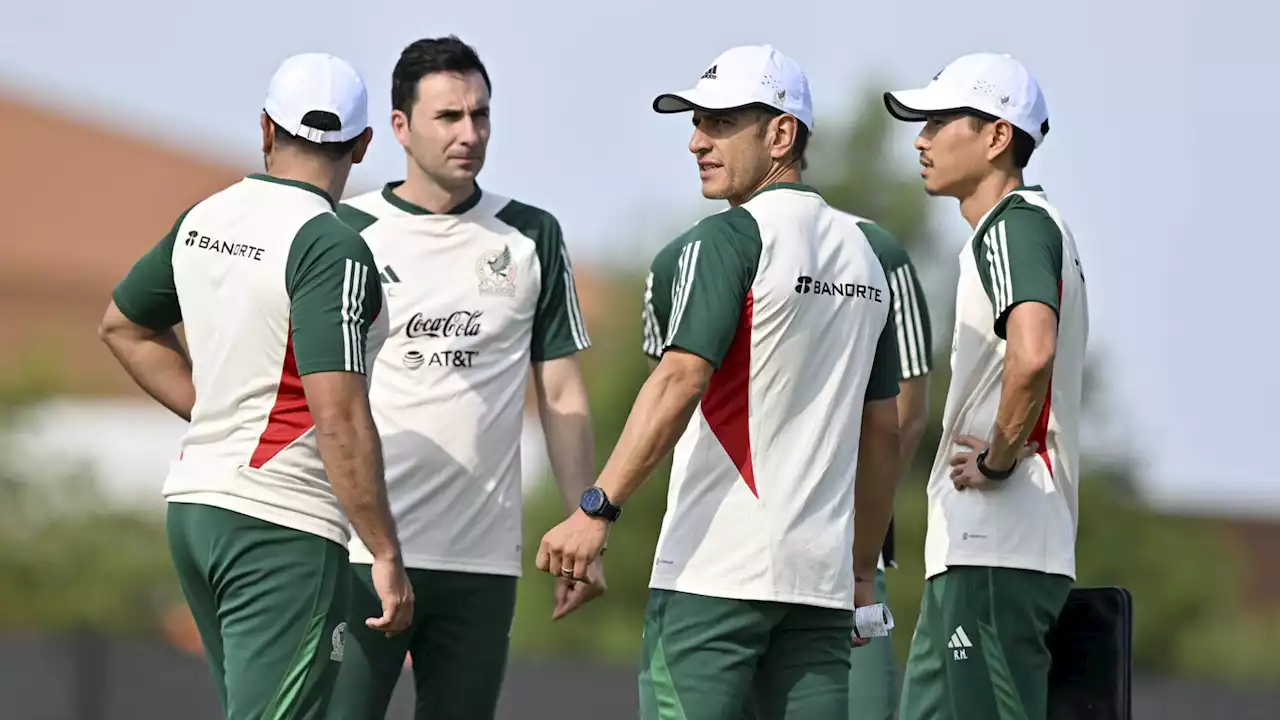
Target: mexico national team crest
[
  {"x": 339, "y": 641},
  {"x": 497, "y": 273}
]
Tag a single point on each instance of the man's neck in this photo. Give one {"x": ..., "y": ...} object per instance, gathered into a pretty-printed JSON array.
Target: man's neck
[
  {"x": 420, "y": 190},
  {"x": 327, "y": 177},
  {"x": 988, "y": 192},
  {"x": 779, "y": 174}
]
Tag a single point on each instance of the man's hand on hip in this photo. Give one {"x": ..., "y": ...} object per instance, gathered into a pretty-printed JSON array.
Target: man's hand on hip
[{"x": 964, "y": 464}]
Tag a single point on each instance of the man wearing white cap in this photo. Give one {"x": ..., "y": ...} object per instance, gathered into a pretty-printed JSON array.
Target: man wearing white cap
[
  {"x": 775, "y": 385},
  {"x": 282, "y": 311},
  {"x": 1000, "y": 549}
]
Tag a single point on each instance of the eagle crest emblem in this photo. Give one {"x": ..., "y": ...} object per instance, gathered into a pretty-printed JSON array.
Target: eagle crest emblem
[{"x": 497, "y": 272}]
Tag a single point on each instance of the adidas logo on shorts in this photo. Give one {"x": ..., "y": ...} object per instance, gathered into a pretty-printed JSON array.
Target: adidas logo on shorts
[{"x": 959, "y": 644}]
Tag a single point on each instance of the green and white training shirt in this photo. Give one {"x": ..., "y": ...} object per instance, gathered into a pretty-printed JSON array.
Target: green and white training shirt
[
  {"x": 269, "y": 286},
  {"x": 912, "y": 329},
  {"x": 786, "y": 298},
  {"x": 473, "y": 296},
  {"x": 1021, "y": 251}
]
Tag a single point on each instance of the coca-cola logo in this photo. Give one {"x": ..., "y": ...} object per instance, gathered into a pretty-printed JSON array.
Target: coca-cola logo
[{"x": 463, "y": 323}]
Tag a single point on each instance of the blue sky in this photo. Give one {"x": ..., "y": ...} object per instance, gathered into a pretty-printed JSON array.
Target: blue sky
[{"x": 1159, "y": 155}]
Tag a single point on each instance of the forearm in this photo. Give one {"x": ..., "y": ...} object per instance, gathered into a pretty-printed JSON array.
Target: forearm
[
  {"x": 659, "y": 416},
  {"x": 352, "y": 455},
  {"x": 1022, "y": 397},
  {"x": 913, "y": 417},
  {"x": 873, "y": 494},
  {"x": 160, "y": 366},
  {"x": 570, "y": 448}
]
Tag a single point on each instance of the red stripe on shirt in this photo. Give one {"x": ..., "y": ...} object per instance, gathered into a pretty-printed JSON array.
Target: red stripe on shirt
[
  {"x": 290, "y": 416},
  {"x": 1040, "y": 431},
  {"x": 726, "y": 404}
]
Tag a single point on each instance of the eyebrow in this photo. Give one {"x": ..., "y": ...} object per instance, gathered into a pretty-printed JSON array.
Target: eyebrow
[{"x": 459, "y": 111}]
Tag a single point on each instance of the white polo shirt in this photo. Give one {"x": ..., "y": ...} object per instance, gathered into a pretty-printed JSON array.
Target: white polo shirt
[
  {"x": 1021, "y": 251},
  {"x": 473, "y": 296},
  {"x": 785, "y": 297},
  {"x": 269, "y": 286}
]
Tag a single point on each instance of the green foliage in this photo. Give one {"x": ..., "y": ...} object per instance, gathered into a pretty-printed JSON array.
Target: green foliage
[
  {"x": 68, "y": 558},
  {"x": 615, "y": 370},
  {"x": 856, "y": 172}
]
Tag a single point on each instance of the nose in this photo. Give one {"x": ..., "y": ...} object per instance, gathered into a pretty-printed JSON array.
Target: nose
[
  {"x": 699, "y": 143},
  {"x": 468, "y": 133},
  {"x": 922, "y": 142}
]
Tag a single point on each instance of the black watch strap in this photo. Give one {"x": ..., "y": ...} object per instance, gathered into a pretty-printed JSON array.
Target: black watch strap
[
  {"x": 610, "y": 511},
  {"x": 991, "y": 474}
]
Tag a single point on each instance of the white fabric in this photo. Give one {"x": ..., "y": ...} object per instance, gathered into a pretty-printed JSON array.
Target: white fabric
[
  {"x": 744, "y": 76},
  {"x": 991, "y": 83},
  {"x": 318, "y": 82}
]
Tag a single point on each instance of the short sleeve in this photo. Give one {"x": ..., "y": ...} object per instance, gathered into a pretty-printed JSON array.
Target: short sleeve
[
  {"x": 1019, "y": 259},
  {"x": 335, "y": 295},
  {"x": 707, "y": 279},
  {"x": 147, "y": 295},
  {"x": 913, "y": 332},
  {"x": 559, "y": 329},
  {"x": 883, "y": 383}
]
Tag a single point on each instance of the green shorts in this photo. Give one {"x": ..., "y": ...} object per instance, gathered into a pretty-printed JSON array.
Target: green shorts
[
  {"x": 270, "y": 603},
  {"x": 979, "y": 652},
  {"x": 707, "y": 658},
  {"x": 458, "y": 646},
  {"x": 873, "y": 689}
]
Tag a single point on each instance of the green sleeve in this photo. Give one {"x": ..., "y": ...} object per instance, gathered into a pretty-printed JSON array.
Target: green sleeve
[
  {"x": 355, "y": 218},
  {"x": 704, "y": 278},
  {"x": 883, "y": 383},
  {"x": 657, "y": 299},
  {"x": 559, "y": 329},
  {"x": 909, "y": 312},
  {"x": 1019, "y": 259},
  {"x": 147, "y": 294},
  {"x": 335, "y": 295}
]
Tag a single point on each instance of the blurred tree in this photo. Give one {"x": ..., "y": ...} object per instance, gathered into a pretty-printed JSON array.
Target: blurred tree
[
  {"x": 69, "y": 559},
  {"x": 853, "y": 165},
  {"x": 1188, "y": 619}
]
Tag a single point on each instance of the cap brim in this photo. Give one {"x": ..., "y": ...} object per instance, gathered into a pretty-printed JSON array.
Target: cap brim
[
  {"x": 696, "y": 99},
  {"x": 914, "y": 105}
]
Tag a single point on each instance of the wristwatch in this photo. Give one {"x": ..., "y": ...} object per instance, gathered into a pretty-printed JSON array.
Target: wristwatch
[
  {"x": 991, "y": 474},
  {"x": 596, "y": 503}
]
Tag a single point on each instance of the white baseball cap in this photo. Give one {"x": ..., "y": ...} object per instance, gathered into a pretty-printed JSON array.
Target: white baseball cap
[
  {"x": 742, "y": 76},
  {"x": 990, "y": 83},
  {"x": 318, "y": 82}
]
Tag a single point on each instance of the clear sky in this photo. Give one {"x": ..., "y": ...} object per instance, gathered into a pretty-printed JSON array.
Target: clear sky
[{"x": 1158, "y": 157}]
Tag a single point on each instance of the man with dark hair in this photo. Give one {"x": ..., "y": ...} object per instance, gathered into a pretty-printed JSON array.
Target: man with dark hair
[
  {"x": 479, "y": 288},
  {"x": 282, "y": 310},
  {"x": 1000, "y": 548},
  {"x": 775, "y": 382}
]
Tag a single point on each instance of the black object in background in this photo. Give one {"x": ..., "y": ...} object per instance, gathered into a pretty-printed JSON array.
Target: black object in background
[{"x": 1092, "y": 649}]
